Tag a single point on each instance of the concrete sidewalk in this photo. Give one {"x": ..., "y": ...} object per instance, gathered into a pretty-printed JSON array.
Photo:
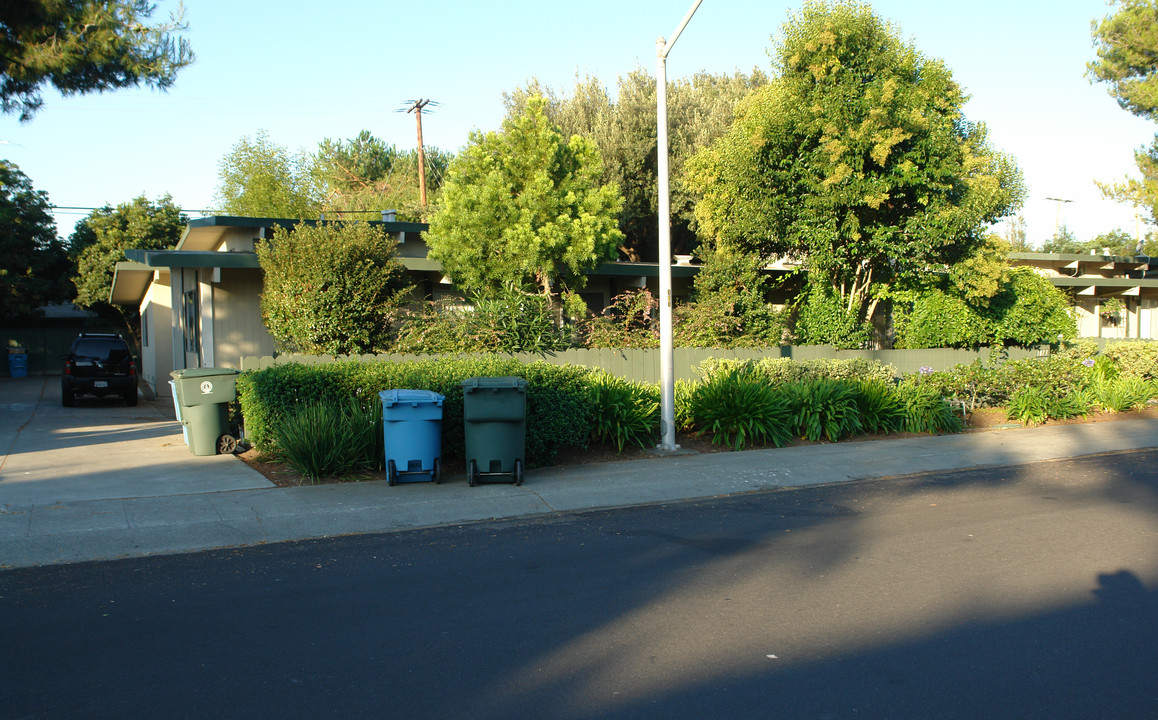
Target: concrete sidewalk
[
  {"x": 78, "y": 529},
  {"x": 102, "y": 480}
]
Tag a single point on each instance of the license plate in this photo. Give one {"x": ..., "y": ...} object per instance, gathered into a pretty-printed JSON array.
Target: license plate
[{"x": 100, "y": 384}]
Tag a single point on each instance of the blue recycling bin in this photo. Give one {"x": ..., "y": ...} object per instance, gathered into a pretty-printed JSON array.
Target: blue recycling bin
[
  {"x": 17, "y": 363},
  {"x": 412, "y": 435}
]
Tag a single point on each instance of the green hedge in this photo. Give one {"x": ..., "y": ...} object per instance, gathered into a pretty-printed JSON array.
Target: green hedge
[{"x": 558, "y": 411}]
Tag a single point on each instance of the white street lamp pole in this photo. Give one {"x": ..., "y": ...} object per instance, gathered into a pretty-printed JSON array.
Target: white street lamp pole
[{"x": 666, "y": 356}]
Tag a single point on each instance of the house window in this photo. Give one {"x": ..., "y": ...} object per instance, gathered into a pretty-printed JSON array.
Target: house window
[{"x": 189, "y": 305}]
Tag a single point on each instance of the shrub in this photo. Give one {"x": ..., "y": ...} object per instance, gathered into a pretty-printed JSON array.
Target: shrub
[
  {"x": 824, "y": 408},
  {"x": 1028, "y": 406},
  {"x": 1122, "y": 394},
  {"x": 331, "y": 288},
  {"x": 1134, "y": 358},
  {"x": 926, "y": 411},
  {"x": 624, "y": 412},
  {"x": 786, "y": 370},
  {"x": 630, "y": 321},
  {"x": 880, "y": 406},
  {"x": 558, "y": 408},
  {"x": 331, "y": 438},
  {"x": 739, "y": 408}
]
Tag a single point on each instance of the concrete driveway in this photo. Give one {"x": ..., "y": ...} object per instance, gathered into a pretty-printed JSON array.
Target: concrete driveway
[{"x": 99, "y": 449}]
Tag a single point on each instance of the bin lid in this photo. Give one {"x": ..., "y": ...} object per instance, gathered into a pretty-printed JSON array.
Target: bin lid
[
  {"x": 203, "y": 372},
  {"x": 391, "y": 397},
  {"x": 493, "y": 383}
]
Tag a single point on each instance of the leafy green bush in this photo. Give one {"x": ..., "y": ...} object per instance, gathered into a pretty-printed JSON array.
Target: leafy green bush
[
  {"x": 1134, "y": 358},
  {"x": 332, "y": 287},
  {"x": 624, "y": 412},
  {"x": 824, "y": 408},
  {"x": 1026, "y": 311},
  {"x": 558, "y": 408},
  {"x": 739, "y": 408},
  {"x": 926, "y": 411},
  {"x": 787, "y": 370},
  {"x": 823, "y": 319},
  {"x": 630, "y": 321},
  {"x": 512, "y": 321}
]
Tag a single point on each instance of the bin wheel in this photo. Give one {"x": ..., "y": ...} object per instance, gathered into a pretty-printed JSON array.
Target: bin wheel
[
  {"x": 518, "y": 472},
  {"x": 472, "y": 473},
  {"x": 437, "y": 470},
  {"x": 391, "y": 472},
  {"x": 226, "y": 444}
]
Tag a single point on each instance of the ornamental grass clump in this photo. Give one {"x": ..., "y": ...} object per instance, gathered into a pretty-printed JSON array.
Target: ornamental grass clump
[
  {"x": 624, "y": 412},
  {"x": 739, "y": 408},
  {"x": 824, "y": 408},
  {"x": 331, "y": 438}
]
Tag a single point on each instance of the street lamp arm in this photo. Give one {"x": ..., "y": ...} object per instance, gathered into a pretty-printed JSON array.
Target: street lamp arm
[{"x": 663, "y": 48}]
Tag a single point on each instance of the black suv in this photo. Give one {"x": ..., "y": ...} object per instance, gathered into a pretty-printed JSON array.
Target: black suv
[{"x": 99, "y": 364}]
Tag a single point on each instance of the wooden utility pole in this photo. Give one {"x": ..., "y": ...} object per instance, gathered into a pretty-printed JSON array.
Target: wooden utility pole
[{"x": 416, "y": 108}]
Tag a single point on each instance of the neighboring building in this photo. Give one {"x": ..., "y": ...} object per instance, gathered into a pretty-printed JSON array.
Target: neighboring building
[
  {"x": 1100, "y": 283},
  {"x": 200, "y": 302}
]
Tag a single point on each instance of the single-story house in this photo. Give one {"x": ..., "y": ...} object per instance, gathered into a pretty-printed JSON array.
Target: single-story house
[
  {"x": 1095, "y": 281},
  {"x": 200, "y": 301}
]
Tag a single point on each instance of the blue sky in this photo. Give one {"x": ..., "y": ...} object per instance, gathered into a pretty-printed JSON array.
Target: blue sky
[{"x": 304, "y": 73}]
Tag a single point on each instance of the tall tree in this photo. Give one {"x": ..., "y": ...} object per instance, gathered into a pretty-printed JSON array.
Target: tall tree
[
  {"x": 331, "y": 288},
  {"x": 33, "y": 262},
  {"x": 99, "y": 243},
  {"x": 1126, "y": 41},
  {"x": 364, "y": 174},
  {"x": 523, "y": 208},
  {"x": 84, "y": 46},
  {"x": 624, "y": 129},
  {"x": 259, "y": 178},
  {"x": 856, "y": 158}
]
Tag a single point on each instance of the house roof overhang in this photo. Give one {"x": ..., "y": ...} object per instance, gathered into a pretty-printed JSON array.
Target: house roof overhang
[
  {"x": 130, "y": 283},
  {"x": 206, "y": 233}
]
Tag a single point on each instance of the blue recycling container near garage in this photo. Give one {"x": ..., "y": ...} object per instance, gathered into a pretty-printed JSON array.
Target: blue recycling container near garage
[
  {"x": 17, "y": 362},
  {"x": 412, "y": 435}
]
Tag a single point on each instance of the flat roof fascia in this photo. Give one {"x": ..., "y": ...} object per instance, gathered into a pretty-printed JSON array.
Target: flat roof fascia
[{"x": 192, "y": 259}]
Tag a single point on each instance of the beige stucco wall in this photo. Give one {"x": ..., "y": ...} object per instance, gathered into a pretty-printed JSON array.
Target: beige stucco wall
[
  {"x": 157, "y": 343},
  {"x": 237, "y": 326}
]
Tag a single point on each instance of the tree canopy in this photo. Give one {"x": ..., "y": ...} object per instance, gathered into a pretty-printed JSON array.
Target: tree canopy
[
  {"x": 523, "y": 208},
  {"x": 857, "y": 159},
  {"x": 365, "y": 174},
  {"x": 331, "y": 288},
  {"x": 624, "y": 130},
  {"x": 34, "y": 264},
  {"x": 84, "y": 46},
  {"x": 99, "y": 242},
  {"x": 259, "y": 178},
  {"x": 1126, "y": 42}
]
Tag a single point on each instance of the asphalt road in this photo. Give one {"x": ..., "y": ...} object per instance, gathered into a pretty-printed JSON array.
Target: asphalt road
[{"x": 1024, "y": 592}]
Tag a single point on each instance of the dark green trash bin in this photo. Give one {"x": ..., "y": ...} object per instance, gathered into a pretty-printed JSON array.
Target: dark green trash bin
[
  {"x": 203, "y": 397},
  {"x": 495, "y": 417}
]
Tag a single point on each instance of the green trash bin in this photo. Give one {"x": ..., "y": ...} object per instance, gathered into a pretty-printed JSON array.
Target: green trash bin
[
  {"x": 495, "y": 417},
  {"x": 203, "y": 396}
]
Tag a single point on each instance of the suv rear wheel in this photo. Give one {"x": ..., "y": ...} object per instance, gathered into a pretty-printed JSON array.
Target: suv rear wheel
[{"x": 67, "y": 398}]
